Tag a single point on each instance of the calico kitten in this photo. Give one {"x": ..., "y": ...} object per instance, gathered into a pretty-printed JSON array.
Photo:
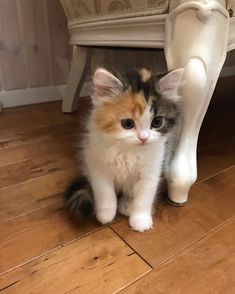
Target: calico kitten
[{"x": 132, "y": 118}]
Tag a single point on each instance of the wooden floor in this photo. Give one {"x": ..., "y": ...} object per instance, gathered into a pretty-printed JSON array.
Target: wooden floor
[{"x": 42, "y": 250}]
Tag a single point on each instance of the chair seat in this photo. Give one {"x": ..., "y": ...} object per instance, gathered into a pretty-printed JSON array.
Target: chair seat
[{"x": 86, "y": 11}]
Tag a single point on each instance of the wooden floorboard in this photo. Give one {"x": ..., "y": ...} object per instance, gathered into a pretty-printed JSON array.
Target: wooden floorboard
[
  {"x": 35, "y": 167},
  {"x": 206, "y": 267},
  {"x": 18, "y": 136},
  {"x": 28, "y": 150},
  {"x": 100, "y": 263},
  {"x": 39, "y": 115},
  {"x": 37, "y": 233},
  {"x": 211, "y": 203},
  {"x": 216, "y": 158},
  {"x": 26, "y": 197},
  {"x": 44, "y": 250}
]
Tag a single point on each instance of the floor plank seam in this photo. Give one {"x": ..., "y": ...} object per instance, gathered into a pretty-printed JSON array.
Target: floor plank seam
[
  {"x": 215, "y": 144},
  {"x": 194, "y": 242},
  {"x": 130, "y": 246},
  {"x": 30, "y": 212},
  {"x": 133, "y": 281},
  {"x": 28, "y": 158},
  {"x": 41, "y": 176},
  {"x": 215, "y": 174},
  {"x": 152, "y": 268},
  {"x": 53, "y": 250},
  {"x": 21, "y": 215}
]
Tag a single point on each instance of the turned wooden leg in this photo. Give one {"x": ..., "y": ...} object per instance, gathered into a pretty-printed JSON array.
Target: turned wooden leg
[
  {"x": 196, "y": 38},
  {"x": 79, "y": 67}
]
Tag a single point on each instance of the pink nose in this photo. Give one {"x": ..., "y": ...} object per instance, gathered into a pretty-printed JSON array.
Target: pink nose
[{"x": 143, "y": 137}]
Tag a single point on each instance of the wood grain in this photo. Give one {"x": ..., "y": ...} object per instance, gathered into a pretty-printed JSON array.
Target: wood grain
[
  {"x": 99, "y": 263},
  {"x": 211, "y": 203},
  {"x": 35, "y": 167},
  {"x": 42, "y": 122},
  {"x": 37, "y": 233},
  {"x": 26, "y": 197},
  {"x": 206, "y": 267},
  {"x": 16, "y": 137},
  {"x": 216, "y": 158},
  {"x": 46, "y": 145},
  {"x": 39, "y": 115}
]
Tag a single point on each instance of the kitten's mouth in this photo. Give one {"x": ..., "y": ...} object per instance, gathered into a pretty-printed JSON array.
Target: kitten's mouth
[{"x": 143, "y": 143}]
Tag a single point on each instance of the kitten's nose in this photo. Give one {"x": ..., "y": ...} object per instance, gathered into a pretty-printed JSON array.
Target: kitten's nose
[{"x": 143, "y": 136}]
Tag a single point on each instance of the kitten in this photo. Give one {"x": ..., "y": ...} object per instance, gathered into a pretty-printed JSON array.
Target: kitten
[{"x": 132, "y": 118}]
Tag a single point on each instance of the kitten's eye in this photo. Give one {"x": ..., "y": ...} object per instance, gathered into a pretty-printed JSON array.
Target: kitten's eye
[
  {"x": 157, "y": 122},
  {"x": 127, "y": 123}
]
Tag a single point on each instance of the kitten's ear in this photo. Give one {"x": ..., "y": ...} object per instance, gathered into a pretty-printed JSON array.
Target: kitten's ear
[
  {"x": 170, "y": 83},
  {"x": 106, "y": 86}
]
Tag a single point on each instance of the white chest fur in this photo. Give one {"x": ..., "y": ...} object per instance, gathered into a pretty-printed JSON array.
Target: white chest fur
[{"x": 125, "y": 164}]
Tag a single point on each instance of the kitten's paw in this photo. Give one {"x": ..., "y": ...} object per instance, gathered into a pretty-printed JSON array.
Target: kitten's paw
[
  {"x": 105, "y": 215},
  {"x": 123, "y": 206},
  {"x": 141, "y": 222}
]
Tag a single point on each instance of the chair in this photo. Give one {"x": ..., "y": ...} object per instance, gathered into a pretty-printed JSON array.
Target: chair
[{"x": 195, "y": 34}]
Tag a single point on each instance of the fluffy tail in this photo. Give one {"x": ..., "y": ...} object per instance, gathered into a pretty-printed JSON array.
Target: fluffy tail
[{"x": 79, "y": 198}]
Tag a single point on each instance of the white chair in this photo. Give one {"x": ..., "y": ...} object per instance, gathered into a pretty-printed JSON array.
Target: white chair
[{"x": 195, "y": 34}]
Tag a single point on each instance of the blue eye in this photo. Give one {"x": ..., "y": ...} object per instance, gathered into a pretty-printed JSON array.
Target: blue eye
[
  {"x": 157, "y": 122},
  {"x": 127, "y": 123}
]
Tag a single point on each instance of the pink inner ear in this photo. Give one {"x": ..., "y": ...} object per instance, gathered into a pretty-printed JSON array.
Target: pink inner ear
[
  {"x": 106, "y": 84},
  {"x": 101, "y": 90},
  {"x": 170, "y": 83}
]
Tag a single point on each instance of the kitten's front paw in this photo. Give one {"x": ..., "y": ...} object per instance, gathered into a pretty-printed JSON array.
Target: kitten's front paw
[
  {"x": 141, "y": 222},
  {"x": 105, "y": 215}
]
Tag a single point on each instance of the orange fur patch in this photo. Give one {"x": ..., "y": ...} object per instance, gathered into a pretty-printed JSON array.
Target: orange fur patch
[
  {"x": 110, "y": 114},
  {"x": 145, "y": 74}
]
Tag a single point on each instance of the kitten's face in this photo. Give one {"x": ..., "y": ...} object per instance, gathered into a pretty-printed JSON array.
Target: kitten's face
[{"x": 134, "y": 108}]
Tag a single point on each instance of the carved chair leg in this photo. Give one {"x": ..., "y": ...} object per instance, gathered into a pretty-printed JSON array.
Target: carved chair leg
[
  {"x": 196, "y": 38},
  {"x": 80, "y": 64}
]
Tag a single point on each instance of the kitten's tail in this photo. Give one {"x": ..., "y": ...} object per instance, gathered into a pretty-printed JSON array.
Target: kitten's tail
[{"x": 79, "y": 198}]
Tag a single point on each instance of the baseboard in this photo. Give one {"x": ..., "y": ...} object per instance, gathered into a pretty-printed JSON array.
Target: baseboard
[{"x": 20, "y": 97}]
